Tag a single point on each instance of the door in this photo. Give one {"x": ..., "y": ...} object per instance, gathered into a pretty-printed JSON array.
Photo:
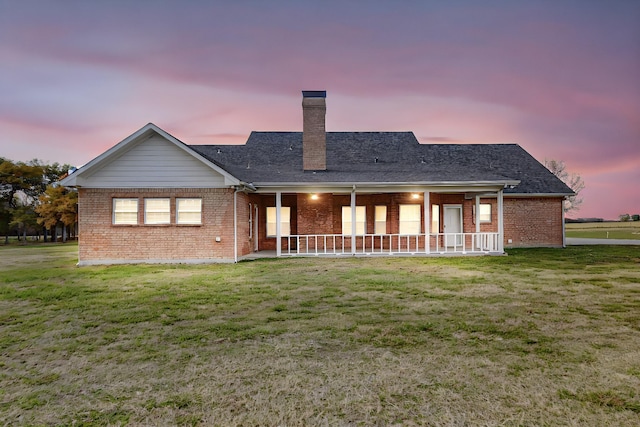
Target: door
[{"x": 453, "y": 224}]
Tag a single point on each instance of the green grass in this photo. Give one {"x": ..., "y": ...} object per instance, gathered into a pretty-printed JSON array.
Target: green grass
[{"x": 539, "y": 337}]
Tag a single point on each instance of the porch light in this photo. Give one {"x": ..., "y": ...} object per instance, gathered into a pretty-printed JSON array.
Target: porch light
[
  {"x": 314, "y": 196},
  {"x": 415, "y": 196}
]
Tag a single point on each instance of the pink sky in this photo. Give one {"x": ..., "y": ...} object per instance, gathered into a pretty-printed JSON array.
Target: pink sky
[{"x": 562, "y": 79}]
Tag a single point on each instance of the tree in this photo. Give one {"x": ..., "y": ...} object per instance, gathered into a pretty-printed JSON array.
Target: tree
[
  {"x": 57, "y": 205},
  {"x": 625, "y": 218},
  {"x": 20, "y": 183},
  {"x": 24, "y": 218},
  {"x": 574, "y": 182}
]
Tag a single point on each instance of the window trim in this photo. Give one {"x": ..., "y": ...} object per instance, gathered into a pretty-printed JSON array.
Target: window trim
[
  {"x": 435, "y": 218},
  {"x": 167, "y": 212},
  {"x": 417, "y": 222},
  {"x": 362, "y": 223},
  {"x": 114, "y": 211},
  {"x": 285, "y": 221},
  {"x": 480, "y": 213},
  {"x": 178, "y": 210},
  {"x": 379, "y": 224}
]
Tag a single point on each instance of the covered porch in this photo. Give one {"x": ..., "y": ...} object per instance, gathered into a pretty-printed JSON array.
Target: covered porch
[{"x": 376, "y": 221}]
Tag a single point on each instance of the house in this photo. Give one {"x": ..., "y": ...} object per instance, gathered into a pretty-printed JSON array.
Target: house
[{"x": 152, "y": 198}]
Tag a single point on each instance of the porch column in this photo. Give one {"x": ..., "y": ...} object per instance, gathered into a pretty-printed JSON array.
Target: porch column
[
  {"x": 278, "y": 227},
  {"x": 564, "y": 230},
  {"x": 353, "y": 220},
  {"x": 427, "y": 222},
  {"x": 500, "y": 222},
  {"x": 477, "y": 218}
]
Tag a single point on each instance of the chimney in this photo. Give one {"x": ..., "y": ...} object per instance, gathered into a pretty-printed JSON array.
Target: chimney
[{"x": 314, "y": 139}]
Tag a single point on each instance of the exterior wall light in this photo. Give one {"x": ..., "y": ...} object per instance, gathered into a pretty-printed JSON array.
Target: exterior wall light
[
  {"x": 415, "y": 196},
  {"x": 314, "y": 196}
]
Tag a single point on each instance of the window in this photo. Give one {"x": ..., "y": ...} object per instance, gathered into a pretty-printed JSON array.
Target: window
[
  {"x": 157, "y": 211},
  {"x": 285, "y": 221},
  {"x": 125, "y": 211},
  {"x": 361, "y": 220},
  {"x": 381, "y": 220},
  {"x": 485, "y": 212},
  {"x": 410, "y": 219},
  {"x": 188, "y": 211},
  {"x": 435, "y": 218}
]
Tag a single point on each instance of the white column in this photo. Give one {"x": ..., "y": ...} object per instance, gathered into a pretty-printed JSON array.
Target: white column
[
  {"x": 564, "y": 234},
  {"x": 476, "y": 238},
  {"x": 500, "y": 222},
  {"x": 278, "y": 225},
  {"x": 477, "y": 217},
  {"x": 235, "y": 226},
  {"x": 427, "y": 222},
  {"x": 353, "y": 221}
]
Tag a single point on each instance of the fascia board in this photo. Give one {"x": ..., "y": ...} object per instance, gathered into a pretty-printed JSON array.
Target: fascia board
[
  {"x": 538, "y": 194},
  {"x": 382, "y": 186}
]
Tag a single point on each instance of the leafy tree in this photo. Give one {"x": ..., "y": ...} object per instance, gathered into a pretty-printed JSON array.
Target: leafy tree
[
  {"x": 21, "y": 185},
  {"x": 574, "y": 182},
  {"x": 24, "y": 217},
  {"x": 19, "y": 177},
  {"x": 625, "y": 217},
  {"x": 57, "y": 205}
]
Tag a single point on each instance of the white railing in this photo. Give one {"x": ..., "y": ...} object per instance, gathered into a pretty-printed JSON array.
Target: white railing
[{"x": 390, "y": 244}]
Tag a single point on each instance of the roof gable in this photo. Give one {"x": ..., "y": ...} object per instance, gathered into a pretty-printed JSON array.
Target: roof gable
[{"x": 151, "y": 158}]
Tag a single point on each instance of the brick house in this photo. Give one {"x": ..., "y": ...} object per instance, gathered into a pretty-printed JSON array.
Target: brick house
[{"x": 152, "y": 198}]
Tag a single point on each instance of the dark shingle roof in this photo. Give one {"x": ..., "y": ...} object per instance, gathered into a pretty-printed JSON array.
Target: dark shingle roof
[{"x": 384, "y": 157}]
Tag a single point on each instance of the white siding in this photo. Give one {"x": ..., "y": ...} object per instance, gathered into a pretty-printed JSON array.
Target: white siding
[{"x": 154, "y": 163}]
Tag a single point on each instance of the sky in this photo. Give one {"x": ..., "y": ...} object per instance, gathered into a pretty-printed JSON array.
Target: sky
[{"x": 559, "y": 78}]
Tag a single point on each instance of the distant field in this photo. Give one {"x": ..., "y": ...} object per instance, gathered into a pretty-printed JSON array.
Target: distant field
[{"x": 605, "y": 230}]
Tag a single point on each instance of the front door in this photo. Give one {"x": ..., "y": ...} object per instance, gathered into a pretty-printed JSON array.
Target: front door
[{"x": 453, "y": 225}]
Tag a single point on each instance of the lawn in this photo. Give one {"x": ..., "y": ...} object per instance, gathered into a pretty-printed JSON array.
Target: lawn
[
  {"x": 538, "y": 337},
  {"x": 604, "y": 230}
]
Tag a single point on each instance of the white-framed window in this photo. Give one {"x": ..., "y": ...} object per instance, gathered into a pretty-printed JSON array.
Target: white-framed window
[
  {"x": 485, "y": 212},
  {"x": 157, "y": 211},
  {"x": 361, "y": 220},
  {"x": 125, "y": 211},
  {"x": 285, "y": 221},
  {"x": 380, "y": 220},
  {"x": 410, "y": 219},
  {"x": 188, "y": 211},
  {"x": 435, "y": 218}
]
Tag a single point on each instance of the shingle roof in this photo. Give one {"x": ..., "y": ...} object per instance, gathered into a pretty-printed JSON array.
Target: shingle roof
[{"x": 384, "y": 157}]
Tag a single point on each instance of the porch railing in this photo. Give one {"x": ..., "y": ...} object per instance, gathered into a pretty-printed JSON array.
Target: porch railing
[{"x": 390, "y": 244}]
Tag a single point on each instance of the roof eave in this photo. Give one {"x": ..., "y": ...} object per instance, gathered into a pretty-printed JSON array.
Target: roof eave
[{"x": 384, "y": 186}]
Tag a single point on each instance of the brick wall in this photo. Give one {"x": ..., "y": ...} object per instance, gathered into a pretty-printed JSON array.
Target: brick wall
[
  {"x": 531, "y": 222},
  {"x": 101, "y": 241},
  {"x": 527, "y": 221}
]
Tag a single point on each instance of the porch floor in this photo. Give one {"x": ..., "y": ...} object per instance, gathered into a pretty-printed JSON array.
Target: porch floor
[{"x": 360, "y": 253}]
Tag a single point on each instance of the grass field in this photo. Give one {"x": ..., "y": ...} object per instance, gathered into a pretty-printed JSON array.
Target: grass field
[
  {"x": 605, "y": 230},
  {"x": 539, "y": 337}
]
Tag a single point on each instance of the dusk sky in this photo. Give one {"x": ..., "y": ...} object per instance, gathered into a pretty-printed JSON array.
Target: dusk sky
[{"x": 560, "y": 78}]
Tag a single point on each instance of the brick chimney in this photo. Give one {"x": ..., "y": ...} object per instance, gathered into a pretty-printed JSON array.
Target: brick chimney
[{"x": 314, "y": 139}]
